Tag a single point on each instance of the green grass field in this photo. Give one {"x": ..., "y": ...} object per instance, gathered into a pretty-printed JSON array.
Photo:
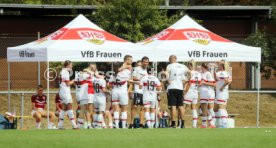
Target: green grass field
[{"x": 142, "y": 138}]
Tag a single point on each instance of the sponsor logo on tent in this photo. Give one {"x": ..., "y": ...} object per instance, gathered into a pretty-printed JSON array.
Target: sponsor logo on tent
[
  {"x": 94, "y": 37},
  {"x": 199, "y": 37},
  {"x": 156, "y": 37},
  {"x": 50, "y": 37}
]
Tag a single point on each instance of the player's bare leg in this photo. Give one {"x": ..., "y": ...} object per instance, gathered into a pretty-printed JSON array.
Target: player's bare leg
[
  {"x": 124, "y": 116},
  {"x": 38, "y": 118},
  {"x": 116, "y": 109},
  {"x": 51, "y": 119},
  {"x": 195, "y": 115},
  {"x": 109, "y": 118},
  {"x": 204, "y": 114},
  {"x": 141, "y": 116},
  {"x": 89, "y": 114},
  {"x": 182, "y": 114},
  {"x": 133, "y": 114},
  {"x": 211, "y": 115},
  {"x": 152, "y": 117},
  {"x": 173, "y": 116}
]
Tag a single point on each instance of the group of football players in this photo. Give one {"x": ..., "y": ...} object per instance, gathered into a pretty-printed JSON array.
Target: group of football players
[{"x": 103, "y": 97}]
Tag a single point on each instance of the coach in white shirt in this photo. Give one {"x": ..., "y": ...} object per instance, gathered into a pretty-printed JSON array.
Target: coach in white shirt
[{"x": 177, "y": 75}]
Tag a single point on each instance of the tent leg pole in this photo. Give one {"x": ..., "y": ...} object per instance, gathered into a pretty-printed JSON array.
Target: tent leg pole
[
  {"x": 22, "y": 111},
  {"x": 38, "y": 64},
  {"x": 48, "y": 95},
  {"x": 258, "y": 96},
  {"x": 9, "y": 87},
  {"x": 38, "y": 73},
  {"x": 156, "y": 102}
]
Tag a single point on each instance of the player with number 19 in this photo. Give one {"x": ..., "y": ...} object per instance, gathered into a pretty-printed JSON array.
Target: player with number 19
[{"x": 150, "y": 85}]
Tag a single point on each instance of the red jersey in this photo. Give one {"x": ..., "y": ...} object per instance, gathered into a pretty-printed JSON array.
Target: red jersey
[
  {"x": 58, "y": 101},
  {"x": 40, "y": 101}
]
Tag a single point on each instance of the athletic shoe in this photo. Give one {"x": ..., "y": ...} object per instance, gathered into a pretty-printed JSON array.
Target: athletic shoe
[
  {"x": 52, "y": 127},
  {"x": 222, "y": 126},
  {"x": 75, "y": 128},
  {"x": 141, "y": 126},
  {"x": 202, "y": 126},
  {"x": 130, "y": 126},
  {"x": 212, "y": 126}
]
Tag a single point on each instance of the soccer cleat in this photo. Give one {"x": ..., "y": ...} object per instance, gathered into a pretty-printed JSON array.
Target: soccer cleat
[
  {"x": 130, "y": 126},
  {"x": 222, "y": 126},
  {"x": 75, "y": 128},
  {"x": 212, "y": 126},
  {"x": 52, "y": 127},
  {"x": 202, "y": 126},
  {"x": 194, "y": 127},
  {"x": 141, "y": 126}
]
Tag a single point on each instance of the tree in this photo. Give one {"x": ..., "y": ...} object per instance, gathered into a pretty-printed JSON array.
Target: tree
[
  {"x": 133, "y": 20},
  {"x": 268, "y": 45}
]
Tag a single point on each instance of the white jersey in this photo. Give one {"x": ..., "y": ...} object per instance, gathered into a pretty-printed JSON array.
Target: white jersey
[
  {"x": 81, "y": 81},
  {"x": 138, "y": 72},
  {"x": 207, "y": 77},
  {"x": 221, "y": 76},
  {"x": 177, "y": 73},
  {"x": 150, "y": 83},
  {"x": 64, "y": 78},
  {"x": 120, "y": 81},
  {"x": 99, "y": 85},
  {"x": 194, "y": 81}
]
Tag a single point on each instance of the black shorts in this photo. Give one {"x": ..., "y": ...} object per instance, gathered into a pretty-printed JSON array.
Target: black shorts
[
  {"x": 175, "y": 97},
  {"x": 138, "y": 99}
]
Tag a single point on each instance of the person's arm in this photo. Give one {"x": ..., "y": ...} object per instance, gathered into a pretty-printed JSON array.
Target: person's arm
[
  {"x": 186, "y": 86},
  {"x": 167, "y": 72}
]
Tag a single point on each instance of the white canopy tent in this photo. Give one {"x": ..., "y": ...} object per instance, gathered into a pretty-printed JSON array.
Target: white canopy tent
[
  {"x": 78, "y": 41},
  {"x": 188, "y": 40}
]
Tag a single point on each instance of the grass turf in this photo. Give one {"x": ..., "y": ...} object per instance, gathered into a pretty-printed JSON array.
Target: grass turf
[{"x": 220, "y": 138}]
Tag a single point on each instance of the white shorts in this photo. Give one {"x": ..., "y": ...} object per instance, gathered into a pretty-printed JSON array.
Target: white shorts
[
  {"x": 207, "y": 97},
  {"x": 150, "y": 104},
  {"x": 38, "y": 110},
  {"x": 100, "y": 103},
  {"x": 191, "y": 98},
  {"x": 84, "y": 102},
  {"x": 222, "y": 98},
  {"x": 119, "y": 97},
  {"x": 91, "y": 98},
  {"x": 66, "y": 98}
]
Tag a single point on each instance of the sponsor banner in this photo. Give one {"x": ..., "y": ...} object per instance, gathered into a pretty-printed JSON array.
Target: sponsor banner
[{"x": 201, "y": 37}]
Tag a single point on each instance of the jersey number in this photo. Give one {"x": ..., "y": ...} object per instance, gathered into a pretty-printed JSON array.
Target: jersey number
[
  {"x": 151, "y": 85},
  {"x": 97, "y": 87}
]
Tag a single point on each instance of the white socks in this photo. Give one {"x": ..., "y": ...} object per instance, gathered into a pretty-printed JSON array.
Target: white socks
[
  {"x": 80, "y": 123},
  {"x": 211, "y": 117},
  {"x": 116, "y": 119},
  {"x": 147, "y": 117},
  {"x": 61, "y": 118},
  {"x": 152, "y": 119},
  {"x": 195, "y": 118},
  {"x": 124, "y": 119},
  {"x": 72, "y": 118},
  {"x": 204, "y": 121},
  {"x": 38, "y": 124},
  {"x": 223, "y": 117}
]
